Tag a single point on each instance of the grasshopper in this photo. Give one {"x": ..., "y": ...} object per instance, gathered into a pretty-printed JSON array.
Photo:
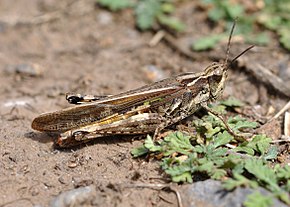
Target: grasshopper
[{"x": 147, "y": 109}]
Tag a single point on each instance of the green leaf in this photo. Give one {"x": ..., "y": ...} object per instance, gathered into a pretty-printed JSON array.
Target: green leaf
[
  {"x": 285, "y": 37},
  {"x": 283, "y": 172},
  {"x": 184, "y": 177},
  {"x": 171, "y": 22},
  {"x": 259, "y": 144},
  {"x": 262, "y": 143},
  {"x": 200, "y": 149},
  {"x": 263, "y": 173},
  {"x": 237, "y": 181},
  {"x": 115, "y": 5},
  {"x": 270, "y": 21},
  {"x": 216, "y": 14},
  {"x": 182, "y": 171},
  {"x": 232, "y": 102},
  {"x": 176, "y": 142},
  {"x": 149, "y": 144},
  {"x": 206, "y": 165},
  {"x": 211, "y": 131},
  {"x": 246, "y": 149},
  {"x": 222, "y": 139},
  {"x": 146, "y": 12},
  {"x": 167, "y": 8},
  {"x": 218, "y": 174},
  {"x": 256, "y": 199},
  {"x": 287, "y": 186},
  {"x": 206, "y": 43},
  {"x": 220, "y": 108},
  {"x": 237, "y": 123},
  {"x": 258, "y": 39},
  {"x": 272, "y": 153},
  {"x": 234, "y": 10},
  {"x": 139, "y": 151}
]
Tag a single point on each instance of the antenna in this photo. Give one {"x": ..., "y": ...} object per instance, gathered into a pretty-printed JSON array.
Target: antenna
[
  {"x": 229, "y": 46},
  {"x": 239, "y": 55},
  {"x": 229, "y": 42}
]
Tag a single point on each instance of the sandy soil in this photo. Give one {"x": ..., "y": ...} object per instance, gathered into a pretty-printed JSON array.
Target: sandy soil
[{"x": 77, "y": 47}]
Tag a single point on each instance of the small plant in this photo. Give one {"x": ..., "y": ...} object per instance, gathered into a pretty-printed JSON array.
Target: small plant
[
  {"x": 148, "y": 12},
  {"x": 206, "y": 152},
  {"x": 273, "y": 15}
]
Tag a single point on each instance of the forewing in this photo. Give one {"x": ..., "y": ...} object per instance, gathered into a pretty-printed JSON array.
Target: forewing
[{"x": 83, "y": 114}]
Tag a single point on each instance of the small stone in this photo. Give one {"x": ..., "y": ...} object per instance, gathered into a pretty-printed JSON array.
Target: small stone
[
  {"x": 104, "y": 18},
  {"x": 33, "y": 70},
  {"x": 211, "y": 193},
  {"x": 75, "y": 197}
]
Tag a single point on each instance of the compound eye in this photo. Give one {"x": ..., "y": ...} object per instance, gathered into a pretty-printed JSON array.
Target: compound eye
[
  {"x": 219, "y": 71},
  {"x": 78, "y": 135}
]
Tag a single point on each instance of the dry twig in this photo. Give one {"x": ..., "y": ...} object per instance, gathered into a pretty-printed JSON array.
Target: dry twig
[{"x": 157, "y": 186}]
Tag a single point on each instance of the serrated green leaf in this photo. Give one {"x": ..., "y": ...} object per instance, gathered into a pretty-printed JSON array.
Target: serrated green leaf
[
  {"x": 184, "y": 177},
  {"x": 287, "y": 186},
  {"x": 176, "y": 143},
  {"x": 167, "y": 8},
  {"x": 115, "y": 5},
  {"x": 218, "y": 156},
  {"x": 206, "y": 165},
  {"x": 263, "y": 173},
  {"x": 263, "y": 146},
  {"x": 199, "y": 149},
  {"x": 211, "y": 131},
  {"x": 283, "y": 172},
  {"x": 149, "y": 144},
  {"x": 206, "y": 43},
  {"x": 259, "y": 39},
  {"x": 182, "y": 171},
  {"x": 212, "y": 120},
  {"x": 238, "y": 168},
  {"x": 256, "y": 199},
  {"x": 262, "y": 143},
  {"x": 246, "y": 149},
  {"x": 222, "y": 139},
  {"x": 285, "y": 37},
  {"x": 218, "y": 108},
  {"x": 269, "y": 21},
  {"x": 171, "y": 22},
  {"x": 237, "y": 123},
  {"x": 232, "y": 102},
  {"x": 234, "y": 10},
  {"x": 218, "y": 174},
  {"x": 139, "y": 151},
  {"x": 146, "y": 12},
  {"x": 259, "y": 144},
  {"x": 272, "y": 153},
  {"x": 216, "y": 14},
  {"x": 237, "y": 181}
]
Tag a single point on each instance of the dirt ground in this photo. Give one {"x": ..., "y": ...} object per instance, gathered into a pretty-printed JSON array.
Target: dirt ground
[{"x": 49, "y": 48}]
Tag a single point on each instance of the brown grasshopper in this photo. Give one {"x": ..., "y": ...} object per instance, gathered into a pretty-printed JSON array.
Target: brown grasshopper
[{"x": 144, "y": 110}]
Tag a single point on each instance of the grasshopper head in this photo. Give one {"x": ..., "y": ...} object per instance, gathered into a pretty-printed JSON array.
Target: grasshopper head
[
  {"x": 217, "y": 72},
  {"x": 216, "y": 75}
]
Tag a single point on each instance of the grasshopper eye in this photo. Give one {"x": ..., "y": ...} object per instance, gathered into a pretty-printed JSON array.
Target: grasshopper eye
[
  {"x": 219, "y": 71},
  {"x": 78, "y": 135}
]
